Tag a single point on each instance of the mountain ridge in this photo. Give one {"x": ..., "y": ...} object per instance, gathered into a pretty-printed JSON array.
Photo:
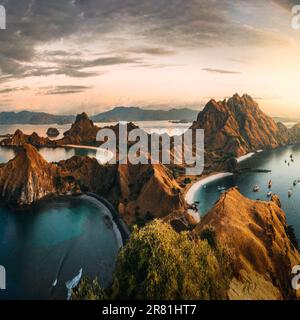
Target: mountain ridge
[{"x": 113, "y": 115}]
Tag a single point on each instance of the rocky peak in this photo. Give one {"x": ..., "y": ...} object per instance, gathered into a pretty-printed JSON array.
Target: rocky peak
[
  {"x": 238, "y": 126},
  {"x": 26, "y": 178},
  {"x": 83, "y": 131},
  {"x": 82, "y": 117}
]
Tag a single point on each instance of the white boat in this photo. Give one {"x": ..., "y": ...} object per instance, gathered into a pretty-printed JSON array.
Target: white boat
[
  {"x": 221, "y": 188},
  {"x": 54, "y": 283},
  {"x": 269, "y": 194},
  {"x": 270, "y": 184},
  {"x": 295, "y": 183},
  {"x": 71, "y": 284},
  {"x": 290, "y": 193},
  {"x": 299, "y": 179},
  {"x": 256, "y": 188}
]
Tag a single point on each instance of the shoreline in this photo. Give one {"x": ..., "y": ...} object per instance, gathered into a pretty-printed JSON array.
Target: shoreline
[
  {"x": 74, "y": 146},
  {"x": 191, "y": 192}
]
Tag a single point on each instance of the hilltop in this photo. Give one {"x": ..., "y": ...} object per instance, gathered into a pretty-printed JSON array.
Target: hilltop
[
  {"x": 256, "y": 231},
  {"x": 238, "y": 126}
]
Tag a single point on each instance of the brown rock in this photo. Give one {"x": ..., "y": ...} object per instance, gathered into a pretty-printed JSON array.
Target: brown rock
[
  {"x": 27, "y": 178},
  {"x": 52, "y": 132},
  {"x": 237, "y": 126},
  {"x": 256, "y": 232},
  {"x": 18, "y": 139}
]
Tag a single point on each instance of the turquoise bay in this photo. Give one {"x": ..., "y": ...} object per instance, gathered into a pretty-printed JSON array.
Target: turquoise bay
[{"x": 282, "y": 176}]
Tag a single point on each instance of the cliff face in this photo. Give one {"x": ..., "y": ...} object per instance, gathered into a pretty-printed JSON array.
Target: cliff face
[
  {"x": 295, "y": 133},
  {"x": 27, "y": 178},
  {"x": 148, "y": 191},
  {"x": 238, "y": 126},
  {"x": 135, "y": 190},
  {"x": 264, "y": 255},
  {"x": 138, "y": 191}
]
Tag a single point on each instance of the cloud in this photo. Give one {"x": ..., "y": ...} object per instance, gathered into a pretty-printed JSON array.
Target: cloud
[
  {"x": 12, "y": 89},
  {"x": 136, "y": 27},
  {"x": 62, "y": 90},
  {"x": 220, "y": 71},
  {"x": 155, "y": 51},
  {"x": 286, "y": 4}
]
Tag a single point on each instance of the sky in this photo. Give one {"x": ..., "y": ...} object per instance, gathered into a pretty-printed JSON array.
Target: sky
[{"x": 69, "y": 56}]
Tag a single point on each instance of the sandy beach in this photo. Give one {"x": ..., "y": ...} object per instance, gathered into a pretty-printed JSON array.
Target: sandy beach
[{"x": 190, "y": 194}]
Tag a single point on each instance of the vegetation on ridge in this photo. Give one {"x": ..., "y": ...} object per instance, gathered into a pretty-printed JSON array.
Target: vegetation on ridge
[{"x": 159, "y": 263}]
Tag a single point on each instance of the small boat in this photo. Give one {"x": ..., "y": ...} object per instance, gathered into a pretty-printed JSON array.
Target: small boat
[
  {"x": 221, "y": 188},
  {"x": 290, "y": 193},
  {"x": 270, "y": 184},
  {"x": 285, "y": 161},
  {"x": 292, "y": 160},
  {"x": 269, "y": 194},
  {"x": 71, "y": 284},
  {"x": 298, "y": 179},
  {"x": 54, "y": 283},
  {"x": 295, "y": 183},
  {"x": 291, "y": 156},
  {"x": 256, "y": 188}
]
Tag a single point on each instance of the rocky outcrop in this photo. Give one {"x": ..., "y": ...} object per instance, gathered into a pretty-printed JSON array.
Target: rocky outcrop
[
  {"x": 237, "y": 126},
  {"x": 52, "y": 132},
  {"x": 27, "y": 178},
  {"x": 139, "y": 192},
  {"x": 295, "y": 133},
  {"x": 82, "y": 132},
  {"x": 148, "y": 191},
  {"x": 255, "y": 231},
  {"x": 18, "y": 139}
]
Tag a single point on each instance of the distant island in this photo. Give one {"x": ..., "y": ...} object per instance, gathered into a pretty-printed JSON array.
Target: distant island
[
  {"x": 139, "y": 114},
  {"x": 114, "y": 115},
  {"x": 30, "y": 117}
]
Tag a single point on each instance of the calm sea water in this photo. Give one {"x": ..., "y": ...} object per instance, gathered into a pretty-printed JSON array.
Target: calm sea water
[
  {"x": 148, "y": 126},
  {"x": 54, "y": 241},
  {"x": 50, "y": 154},
  {"x": 282, "y": 177}
]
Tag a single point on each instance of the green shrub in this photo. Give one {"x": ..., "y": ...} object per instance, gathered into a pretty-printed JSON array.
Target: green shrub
[
  {"x": 209, "y": 234},
  {"x": 159, "y": 264}
]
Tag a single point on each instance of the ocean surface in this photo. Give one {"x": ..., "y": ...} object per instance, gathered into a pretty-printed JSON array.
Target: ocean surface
[
  {"x": 149, "y": 126},
  {"x": 282, "y": 176},
  {"x": 53, "y": 242},
  {"x": 50, "y": 154}
]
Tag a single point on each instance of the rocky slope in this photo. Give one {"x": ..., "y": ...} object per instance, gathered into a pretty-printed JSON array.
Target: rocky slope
[
  {"x": 256, "y": 233},
  {"x": 137, "y": 191},
  {"x": 237, "y": 126},
  {"x": 27, "y": 178},
  {"x": 148, "y": 191}
]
